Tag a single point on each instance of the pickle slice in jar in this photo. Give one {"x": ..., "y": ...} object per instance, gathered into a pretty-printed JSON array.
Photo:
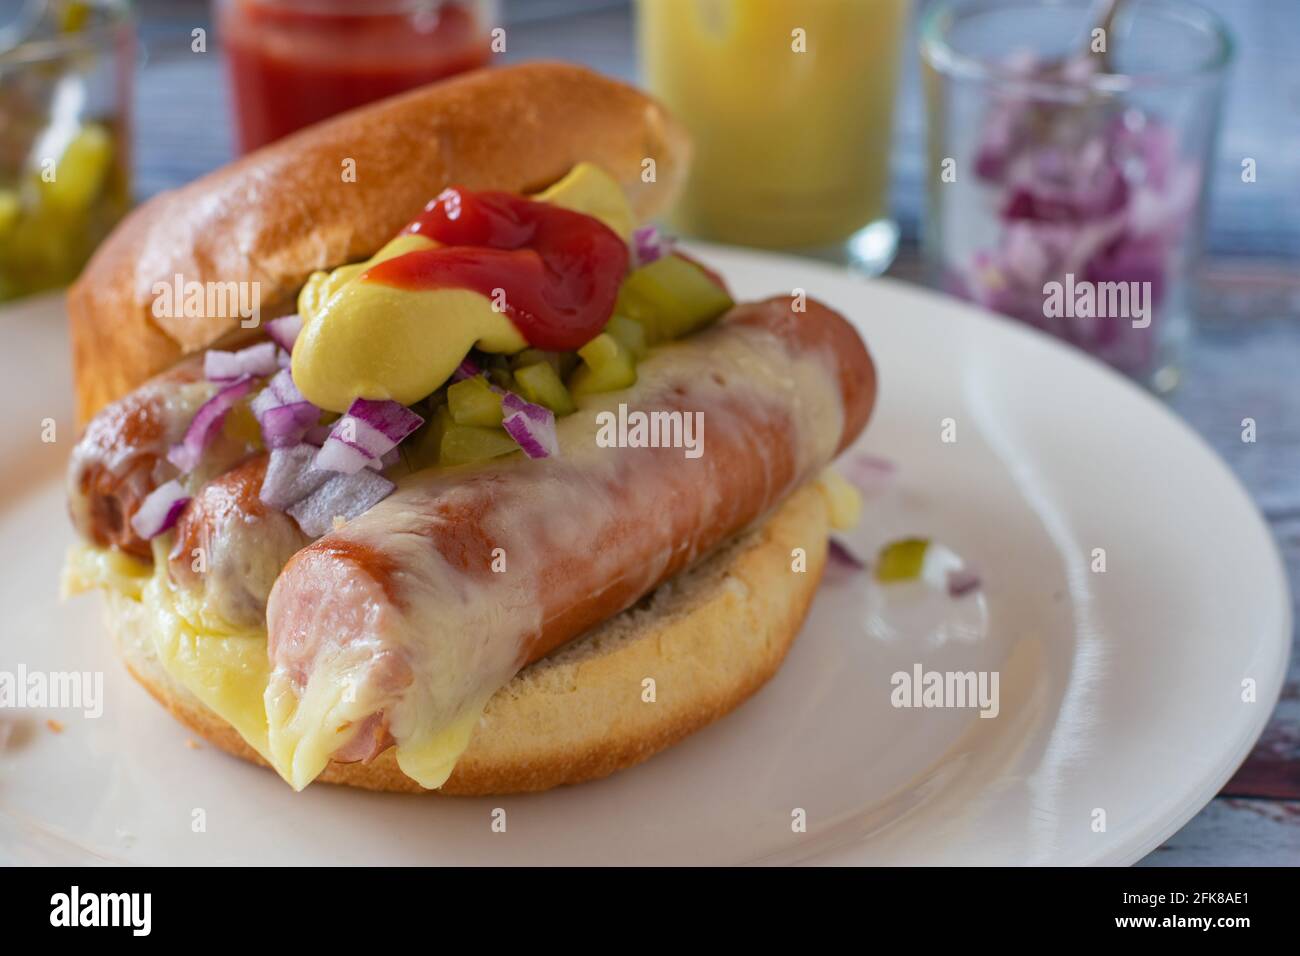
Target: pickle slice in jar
[
  {"x": 540, "y": 384},
  {"x": 472, "y": 402},
  {"x": 80, "y": 171},
  {"x": 607, "y": 366},
  {"x": 464, "y": 444},
  {"x": 10, "y": 209},
  {"x": 673, "y": 297}
]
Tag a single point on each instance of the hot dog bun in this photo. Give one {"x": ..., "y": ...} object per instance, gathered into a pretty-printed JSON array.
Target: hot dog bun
[
  {"x": 286, "y": 210},
  {"x": 709, "y": 638}
]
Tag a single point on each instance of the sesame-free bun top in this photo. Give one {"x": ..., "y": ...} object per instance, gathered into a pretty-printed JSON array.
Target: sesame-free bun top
[{"x": 337, "y": 191}]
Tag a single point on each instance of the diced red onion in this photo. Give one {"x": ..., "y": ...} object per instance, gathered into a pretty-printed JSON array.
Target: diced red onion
[
  {"x": 648, "y": 245},
  {"x": 870, "y": 474},
  {"x": 206, "y": 425},
  {"x": 342, "y": 496},
  {"x": 291, "y": 476},
  {"x": 517, "y": 403},
  {"x": 531, "y": 426},
  {"x": 466, "y": 369},
  {"x": 391, "y": 419},
  {"x": 284, "y": 388},
  {"x": 1092, "y": 194},
  {"x": 282, "y": 412},
  {"x": 962, "y": 581},
  {"x": 340, "y": 455},
  {"x": 369, "y": 431},
  {"x": 256, "y": 360},
  {"x": 317, "y": 435},
  {"x": 840, "y": 553},
  {"x": 286, "y": 425},
  {"x": 160, "y": 510},
  {"x": 284, "y": 331}
]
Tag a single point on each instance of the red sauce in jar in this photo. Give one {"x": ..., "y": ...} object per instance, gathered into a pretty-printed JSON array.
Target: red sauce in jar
[
  {"x": 555, "y": 272},
  {"x": 296, "y": 62}
]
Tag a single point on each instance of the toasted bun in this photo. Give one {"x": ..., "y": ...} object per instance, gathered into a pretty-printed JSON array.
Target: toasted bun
[
  {"x": 282, "y": 212},
  {"x": 709, "y": 638}
]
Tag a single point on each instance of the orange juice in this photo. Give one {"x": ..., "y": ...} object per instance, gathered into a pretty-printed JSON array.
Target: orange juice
[{"x": 790, "y": 106}]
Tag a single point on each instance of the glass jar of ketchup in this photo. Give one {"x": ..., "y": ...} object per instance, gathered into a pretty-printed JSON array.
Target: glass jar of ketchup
[{"x": 295, "y": 62}]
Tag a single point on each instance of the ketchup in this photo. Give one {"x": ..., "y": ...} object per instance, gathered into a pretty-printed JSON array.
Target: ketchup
[
  {"x": 559, "y": 270},
  {"x": 295, "y": 62}
]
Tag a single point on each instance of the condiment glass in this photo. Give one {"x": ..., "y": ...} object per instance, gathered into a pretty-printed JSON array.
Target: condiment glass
[
  {"x": 1068, "y": 169},
  {"x": 790, "y": 108},
  {"x": 296, "y": 62}
]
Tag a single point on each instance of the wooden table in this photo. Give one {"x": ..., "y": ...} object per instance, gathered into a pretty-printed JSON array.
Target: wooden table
[{"x": 1245, "y": 361}]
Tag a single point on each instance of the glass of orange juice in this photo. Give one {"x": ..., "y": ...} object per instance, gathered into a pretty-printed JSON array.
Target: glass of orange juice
[{"x": 790, "y": 106}]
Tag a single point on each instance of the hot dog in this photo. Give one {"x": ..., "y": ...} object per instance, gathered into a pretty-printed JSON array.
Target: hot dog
[
  {"x": 404, "y": 608},
  {"x": 431, "y": 477}
]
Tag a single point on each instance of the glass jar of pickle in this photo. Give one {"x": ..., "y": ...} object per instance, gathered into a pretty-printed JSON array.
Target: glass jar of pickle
[{"x": 65, "y": 92}]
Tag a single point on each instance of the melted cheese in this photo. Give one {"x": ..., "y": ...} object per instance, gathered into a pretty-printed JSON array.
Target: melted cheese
[
  {"x": 842, "y": 499},
  {"x": 229, "y": 673},
  {"x": 226, "y": 671}
]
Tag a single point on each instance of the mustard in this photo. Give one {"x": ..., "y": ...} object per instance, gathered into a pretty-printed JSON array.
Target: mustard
[{"x": 370, "y": 340}]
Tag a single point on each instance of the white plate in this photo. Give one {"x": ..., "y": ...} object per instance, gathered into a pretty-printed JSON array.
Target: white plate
[{"x": 1119, "y": 691}]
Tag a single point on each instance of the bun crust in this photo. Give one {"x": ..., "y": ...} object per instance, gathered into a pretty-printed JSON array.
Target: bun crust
[
  {"x": 709, "y": 638},
  {"x": 284, "y": 211}
]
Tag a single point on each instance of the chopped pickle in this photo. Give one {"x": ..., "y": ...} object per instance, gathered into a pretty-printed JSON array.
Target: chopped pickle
[
  {"x": 672, "y": 297},
  {"x": 462, "y": 444},
  {"x": 568, "y": 362},
  {"x": 562, "y": 362},
  {"x": 901, "y": 560},
  {"x": 540, "y": 384},
  {"x": 472, "y": 402},
  {"x": 630, "y": 334},
  {"x": 607, "y": 367},
  {"x": 501, "y": 378},
  {"x": 421, "y": 449},
  {"x": 533, "y": 356}
]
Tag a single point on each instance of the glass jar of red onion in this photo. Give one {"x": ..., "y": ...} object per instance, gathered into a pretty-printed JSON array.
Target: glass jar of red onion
[{"x": 1069, "y": 166}]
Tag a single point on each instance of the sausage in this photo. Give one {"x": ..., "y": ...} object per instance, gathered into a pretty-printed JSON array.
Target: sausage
[
  {"x": 121, "y": 456},
  {"x": 431, "y": 601},
  {"x": 229, "y": 547}
]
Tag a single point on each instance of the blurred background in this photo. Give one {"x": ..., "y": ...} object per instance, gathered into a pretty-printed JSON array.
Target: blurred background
[
  {"x": 184, "y": 123},
  {"x": 982, "y": 147}
]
